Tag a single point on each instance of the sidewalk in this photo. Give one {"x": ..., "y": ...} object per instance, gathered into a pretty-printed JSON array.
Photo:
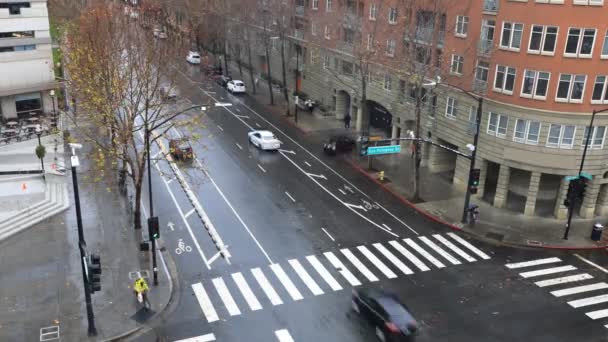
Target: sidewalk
[
  {"x": 42, "y": 286},
  {"x": 441, "y": 201}
]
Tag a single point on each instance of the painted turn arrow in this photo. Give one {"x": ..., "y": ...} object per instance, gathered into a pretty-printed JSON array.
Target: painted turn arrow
[
  {"x": 285, "y": 151},
  {"x": 316, "y": 176},
  {"x": 171, "y": 226}
]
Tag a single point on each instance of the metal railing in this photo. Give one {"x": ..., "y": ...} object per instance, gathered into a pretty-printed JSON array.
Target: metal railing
[
  {"x": 299, "y": 11},
  {"x": 490, "y": 5},
  {"x": 485, "y": 46}
]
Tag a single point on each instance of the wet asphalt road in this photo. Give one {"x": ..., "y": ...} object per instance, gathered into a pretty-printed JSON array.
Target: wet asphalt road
[{"x": 289, "y": 208}]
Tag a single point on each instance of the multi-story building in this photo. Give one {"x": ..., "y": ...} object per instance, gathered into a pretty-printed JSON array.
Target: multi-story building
[{"x": 26, "y": 62}]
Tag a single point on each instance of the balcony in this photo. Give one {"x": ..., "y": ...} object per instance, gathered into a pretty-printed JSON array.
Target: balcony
[
  {"x": 299, "y": 11},
  {"x": 425, "y": 35},
  {"x": 485, "y": 46},
  {"x": 480, "y": 86},
  {"x": 490, "y": 6},
  {"x": 345, "y": 46},
  {"x": 298, "y": 34},
  {"x": 352, "y": 21}
]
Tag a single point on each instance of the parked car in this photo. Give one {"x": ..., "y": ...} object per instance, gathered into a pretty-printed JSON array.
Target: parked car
[
  {"x": 223, "y": 80},
  {"x": 236, "y": 86},
  {"x": 339, "y": 144},
  {"x": 264, "y": 140},
  {"x": 391, "y": 319},
  {"x": 159, "y": 33},
  {"x": 181, "y": 149},
  {"x": 193, "y": 57},
  {"x": 169, "y": 92}
]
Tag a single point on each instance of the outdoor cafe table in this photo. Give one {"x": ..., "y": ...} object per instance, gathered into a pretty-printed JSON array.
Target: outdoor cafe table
[
  {"x": 12, "y": 123},
  {"x": 9, "y": 132}
]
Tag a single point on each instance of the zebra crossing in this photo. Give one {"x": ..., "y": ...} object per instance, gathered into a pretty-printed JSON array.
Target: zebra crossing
[
  {"x": 315, "y": 275},
  {"x": 579, "y": 288}
]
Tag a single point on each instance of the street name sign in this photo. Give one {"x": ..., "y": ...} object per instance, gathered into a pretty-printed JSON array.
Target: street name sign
[{"x": 377, "y": 150}]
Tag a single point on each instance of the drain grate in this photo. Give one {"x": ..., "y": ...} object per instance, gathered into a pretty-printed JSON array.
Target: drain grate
[{"x": 495, "y": 236}]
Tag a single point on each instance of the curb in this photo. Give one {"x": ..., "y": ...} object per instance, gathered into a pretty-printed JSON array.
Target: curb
[
  {"x": 287, "y": 120},
  {"x": 410, "y": 204}
]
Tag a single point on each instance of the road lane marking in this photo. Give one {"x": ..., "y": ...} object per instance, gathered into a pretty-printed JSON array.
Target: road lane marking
[
  {"x": 283, "y": 335},
  {"x": 588, "y": 301},
  {"x": 327, "y": 233},
  {"x": 359, "y": 265},
  {"x": 563, "y": 280},
  {"x": 205, "y": 302},
  {"x": 220, "y": 127},
  {"x": 533, "y": 263},
  {"x": 546, "y": 271},
  {"x": 454, "y": 248},
  {"x": 469, "y": 246},
  {"x": 290, "y": 197},
  {"x": 387, "y": 227},
  {"x": 579, "y": 289},
  {"x": 226, "y": 297},
  {"x": 308, "y": 164},
  {"x": 202, "y": 338},
  {"x": 261, "y": 168},
  {"x": 306, "y": 278},
  {"x": 393, "y": 216},
  {"x": 598, "y": 314},
  {"x": 440, "y": 250},
  {"x": 411, "y": 257},
  {"x": 392, "y": 258},
  {"x": 257, "y": 124},
  {"x": 342, "y": 269},
  {"x": 272, "y": 295},
  {"x": 324, "y": 273},
  {"x": 238, "y": 109},
  {"x": 379, "y": 264},
  {"x": 239, "y": 146},
  {"x": 424, "y": 253},
  {"x": 342, "y": 191},
  {"x": 287, "y": 283},
  {"x": 189, "y": 213},
  {"x": 591, "y": 263},
  {"x": 250, "y": 298},
  {"x": 171, "y": 180}
]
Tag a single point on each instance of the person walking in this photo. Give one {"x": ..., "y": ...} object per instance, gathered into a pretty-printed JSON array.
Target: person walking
[
  {"x": 141, "y": 291},
  {"x": 347, "y": 121}
]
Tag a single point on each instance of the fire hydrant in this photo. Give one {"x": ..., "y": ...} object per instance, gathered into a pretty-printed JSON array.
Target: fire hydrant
[{"x": 381, "y": 176}]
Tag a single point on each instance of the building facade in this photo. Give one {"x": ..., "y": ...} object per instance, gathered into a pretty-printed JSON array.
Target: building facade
[{"x": 26, "y": 61}]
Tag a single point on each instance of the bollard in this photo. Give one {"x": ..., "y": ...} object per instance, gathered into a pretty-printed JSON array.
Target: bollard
[{"x": 381, "y": 176}]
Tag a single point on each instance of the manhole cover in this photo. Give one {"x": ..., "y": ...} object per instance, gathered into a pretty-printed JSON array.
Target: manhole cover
[{"x": 495, "y": 236}]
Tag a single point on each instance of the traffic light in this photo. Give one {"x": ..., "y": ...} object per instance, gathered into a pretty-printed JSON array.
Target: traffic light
[
  {"x": 474, "y": 180},
  {"x": 582, "y": 186},
  {"x": 153, "y": 228},
  {"x": 576, "y": 191},
  {"x": 94, "y": 272},
  {"x": 364, "y": 145}
]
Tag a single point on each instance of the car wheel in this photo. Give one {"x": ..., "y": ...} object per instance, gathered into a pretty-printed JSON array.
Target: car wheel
[
  {"x": 380, "y": 334},
  {"x": 356, "y": 307}
]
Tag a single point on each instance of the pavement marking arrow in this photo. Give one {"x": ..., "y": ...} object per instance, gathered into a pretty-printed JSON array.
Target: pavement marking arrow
[
  {"x": 285, "y": 151},
  {"x": 316, "y": 176},
  {"x": 223, "y": 104},
  {"x": 355, "y": 206},
  {"x": 242, "y": 116},
  {"x": 171, "y": 226}
]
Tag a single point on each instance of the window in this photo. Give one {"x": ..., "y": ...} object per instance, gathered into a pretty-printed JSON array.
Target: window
[
  {"x": 605, "y": 46},
  {"x": 315, "y": 4},
  {"x": 327, "y": 33},
  {"x": 313, "y": 28},
  {"x": 600, "y": 90},
  {"x": 370, "y": 41},
  {"x": 511, "y": 35},
  {"x": 580, "y": 42},
  {"x": 497, "y": 125},
  {"x": 18, "y": 48},
  {"x": 551, "y": 1},
  {"x": 596, "y": 141},
  {"x": 392, "y": 15},
  {"x": 326, "y": 62},
  {"x": 561, "y": 136},
  {"x": 526, "y": 131},
  {"x": 535, "y": 84},
  {"x": 504, "y": 80},
  {"x": 472, "y": 119},
  {"x": 457, "y": 63},
  {"x": 314, "y": 56},
  {"x": 481, "y": 73},
  {"x": 462, "y": 26},
  {"x": 571, "y": 88},
  {"x": 28, "y": 102},
  {"x": 15, "y": 8},
  {"x": 328, "y": 5},
  {"x": 450, "y": 108},
  {"x": 373, "y": 11},
  {"x": 387, "y": 82},
  {"x": 543, "y": 39},
  {"x": 589, "y": 2},
  {"x": 347, "y": 68},
  {"x": 390, "y": 47},
  {"x": 20, "y": 34}
]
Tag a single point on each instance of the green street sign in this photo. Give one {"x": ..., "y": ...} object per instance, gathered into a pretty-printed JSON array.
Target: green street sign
[
  {"x": 376, "y": 150},
  {"x": 571, "y": 178},
  {"x": 586, "y": 175}
]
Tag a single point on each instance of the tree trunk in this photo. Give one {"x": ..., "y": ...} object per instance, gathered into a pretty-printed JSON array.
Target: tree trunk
[
  {"x": 363, "y": 107},
  {"x": 226, "y": 60},
  {"x": 250, "y": 64},
  {"x": 269, "y": 73},
  {"x": 284, "y": 72},
  {"x": 417, "y": 144},
  {"x": 239, "y": 61},
  {"x": 137, "y": 204}
]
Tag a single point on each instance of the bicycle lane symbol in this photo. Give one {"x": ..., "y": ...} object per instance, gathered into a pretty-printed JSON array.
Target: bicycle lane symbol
[{"x": 182, "y": 247}]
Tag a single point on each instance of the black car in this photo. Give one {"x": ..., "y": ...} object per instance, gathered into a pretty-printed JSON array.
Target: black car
[
  {"x": 339, "y": 144},
  {"x": 390, "y": 318},
  {"x": 223, "y": 80}
]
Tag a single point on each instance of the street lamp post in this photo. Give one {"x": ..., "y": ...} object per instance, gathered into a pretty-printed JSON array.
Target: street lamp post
[
  {"x": 52, "y": 94},
  {"x": 467, "y": 196},
  {"x": 39, "y": 133},
  {"x": 580, "y": 170},
  {"x": 297, "y": 88}
]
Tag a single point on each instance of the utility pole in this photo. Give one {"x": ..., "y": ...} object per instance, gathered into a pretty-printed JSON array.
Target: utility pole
[
  {"x": 467, "y": 196},
  {"x": 151, "y": 218},
  {"x": 297, "y": 79}
]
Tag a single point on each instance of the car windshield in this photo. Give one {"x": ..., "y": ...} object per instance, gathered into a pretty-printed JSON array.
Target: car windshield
[
  {"x": 268, "y": 137},
  {"x": 239, "y": 84}
]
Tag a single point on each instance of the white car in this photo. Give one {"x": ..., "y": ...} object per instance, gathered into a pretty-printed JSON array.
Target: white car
[
  {"x": 236, "y": 86},
  {"x": 264, "y": 140},
  {"x": 193, "y": 57}
]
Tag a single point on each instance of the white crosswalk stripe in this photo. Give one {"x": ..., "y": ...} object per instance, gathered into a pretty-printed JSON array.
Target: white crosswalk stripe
[
  {"x": 324, "y": 273},
  {"x": 205, "y": 302},
  {"x": 283, "y": 335},
  {"x": 411, "y": 257},
  {"x": 250, "y": 298},
  {"x": 440, "y": 250},
  {"x": 588, "y": 301},
  {"x": 272, "y": 295},
  {"x": 546, "y": 271},
  {"x": 454, "y": 248},
  {"x": 392, "y": 258},
  {"x": 306, "y": 278},
  {"x": 333, "y": 259},
  {"x": 379, "y": 264},
  {"x": 424, "y": 253},
  {"x": 598, "y": 314},
  {"x": 533, "y": 263},
  {"x": 226, "y": 297},
  {"x": 359, "y": 265},
  {"x": 469, "y": 246},
  {"x": 579, "y": 289},
  {"x": 564, "y": 280},
  {"x": 287, "y": 283}
]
